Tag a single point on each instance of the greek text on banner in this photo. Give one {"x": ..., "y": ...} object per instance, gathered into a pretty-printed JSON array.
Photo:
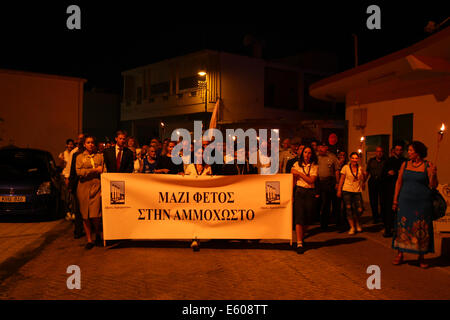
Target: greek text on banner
[{"x": 157, "y": 206}]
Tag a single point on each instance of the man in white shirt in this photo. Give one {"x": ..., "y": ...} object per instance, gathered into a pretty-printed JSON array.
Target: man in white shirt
[
  {"x": 65, "y": 162},
  {"x": 65, "y": 158}
]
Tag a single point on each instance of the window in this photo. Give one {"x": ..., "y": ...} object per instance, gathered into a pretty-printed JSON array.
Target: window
[
  {"x": 402, "y": 128},
  {"x": 189, "y": 82},
  {"x": 158, "y": 88}
]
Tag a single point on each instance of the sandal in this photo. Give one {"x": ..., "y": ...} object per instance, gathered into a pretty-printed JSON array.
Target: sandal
[
  {"x": 422, "y": 263},
  {"x": 398, "y": 260}
]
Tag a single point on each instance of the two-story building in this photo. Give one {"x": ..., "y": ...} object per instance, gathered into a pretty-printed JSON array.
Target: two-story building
[{"x": 255, "y": 93}]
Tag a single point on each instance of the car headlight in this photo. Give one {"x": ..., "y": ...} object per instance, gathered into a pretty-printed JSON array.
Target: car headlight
[{"x": 44, "y": 188}]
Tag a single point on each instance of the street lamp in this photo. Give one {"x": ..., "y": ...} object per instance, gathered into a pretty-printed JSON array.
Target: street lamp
[
  {"x": 202, "y": 73},
  {"x": 163, "y": 127}
]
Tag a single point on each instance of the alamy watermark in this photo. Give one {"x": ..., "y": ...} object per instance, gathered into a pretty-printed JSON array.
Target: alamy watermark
[
  {"x": 74, "y": 281},
  {"x": 374, "y": 281},
  {"x": 74, "y": 20},
  {"x": 258, "y": 147}
]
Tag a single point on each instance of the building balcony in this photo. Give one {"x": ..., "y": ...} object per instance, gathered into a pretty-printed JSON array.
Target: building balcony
[{"x": 165, "y": 105}]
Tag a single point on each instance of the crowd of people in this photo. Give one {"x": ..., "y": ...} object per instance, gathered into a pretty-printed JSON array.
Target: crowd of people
[{"x": 328, "y": 185}]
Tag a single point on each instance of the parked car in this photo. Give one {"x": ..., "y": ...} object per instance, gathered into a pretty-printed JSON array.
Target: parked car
[{"x": 30, "y": 183}]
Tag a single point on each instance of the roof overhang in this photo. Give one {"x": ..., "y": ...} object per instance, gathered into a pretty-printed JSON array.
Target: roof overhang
[
  {"x": 426, "y": 59},
  {"x": 41, "y": 75}
]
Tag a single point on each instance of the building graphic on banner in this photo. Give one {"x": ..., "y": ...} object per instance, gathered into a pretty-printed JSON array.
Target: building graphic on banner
[
  {"x": 272, "y": 192},
  {"x": 117, "y": 192}
]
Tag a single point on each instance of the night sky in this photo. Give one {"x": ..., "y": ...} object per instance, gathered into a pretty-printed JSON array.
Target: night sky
[{"x": 120, "y": 36}]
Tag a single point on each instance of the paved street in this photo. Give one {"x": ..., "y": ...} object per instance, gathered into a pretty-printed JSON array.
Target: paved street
[
  {"x": 23, "y": 238},
  {"x": 334, "y": 268}
]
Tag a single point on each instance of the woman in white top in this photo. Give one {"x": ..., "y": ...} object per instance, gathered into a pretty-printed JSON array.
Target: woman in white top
[
  {"x": 305, "y": 170},
  {"x": 350, "y": 186},
  {"x": 137, "y": 161},
  {"x": 196, "y": 170}
]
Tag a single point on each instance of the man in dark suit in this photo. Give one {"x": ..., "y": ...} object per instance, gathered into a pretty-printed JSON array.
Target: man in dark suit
[
  {"x": 119, "y": 158},
  {"x": 389, "y": 176},
  {"x": 375, "y": 168},
  {"x": 72, "y": 186}
]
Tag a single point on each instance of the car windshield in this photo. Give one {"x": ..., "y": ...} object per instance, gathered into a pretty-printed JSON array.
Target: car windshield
[{"x": 18, "y": 163}]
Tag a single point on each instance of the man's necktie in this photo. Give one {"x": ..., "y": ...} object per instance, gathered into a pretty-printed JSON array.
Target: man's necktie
[{"x": 119, "y": 157}]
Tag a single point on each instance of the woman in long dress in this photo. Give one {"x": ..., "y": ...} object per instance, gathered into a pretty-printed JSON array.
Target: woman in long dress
[
  {"x": 414, "y": 229},
  {"x": 89, "y": 166}
]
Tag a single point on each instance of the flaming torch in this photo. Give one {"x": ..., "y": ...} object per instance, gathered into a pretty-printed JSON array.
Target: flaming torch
[
  {"x": 441, "y": 132},
  {"x": 440, "y": 137},
  {"x": 361, "y": 148}
]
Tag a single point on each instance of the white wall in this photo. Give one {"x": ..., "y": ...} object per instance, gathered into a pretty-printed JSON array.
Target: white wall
[{"x": 427, "y": 99}]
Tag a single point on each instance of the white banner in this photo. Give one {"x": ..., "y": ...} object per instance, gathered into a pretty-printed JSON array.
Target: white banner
[{"x": 157, "y": 206}]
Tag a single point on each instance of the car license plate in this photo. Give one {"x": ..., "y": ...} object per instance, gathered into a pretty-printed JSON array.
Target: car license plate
[{"x": 12, "y": 199}]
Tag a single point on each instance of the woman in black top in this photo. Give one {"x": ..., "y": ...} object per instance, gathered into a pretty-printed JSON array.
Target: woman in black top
[{"x": 165, "y": 163}]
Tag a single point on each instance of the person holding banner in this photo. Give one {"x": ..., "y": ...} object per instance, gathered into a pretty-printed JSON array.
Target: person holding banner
[
  {"x": 197, "y": 170},
  {"x": 150, "y": 161},
  {"x": 89, "y": 166},
  {"x": 305, "y": 170},
  {"x": 165, "y": 163},
  {"x": 289, "y": 166}
]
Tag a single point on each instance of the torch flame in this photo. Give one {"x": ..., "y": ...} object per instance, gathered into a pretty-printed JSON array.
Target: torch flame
[
  {"x": 359, "y": 151},
  {"x": 443, "y": 127},
  {"x": 362, "y": 139}
]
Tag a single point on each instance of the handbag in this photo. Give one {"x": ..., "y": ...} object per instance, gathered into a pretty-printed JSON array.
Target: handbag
[{"x": 439, "y": 204}]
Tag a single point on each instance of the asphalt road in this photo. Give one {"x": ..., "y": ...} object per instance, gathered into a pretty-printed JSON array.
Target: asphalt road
[{"x": 334, "y": 267}]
